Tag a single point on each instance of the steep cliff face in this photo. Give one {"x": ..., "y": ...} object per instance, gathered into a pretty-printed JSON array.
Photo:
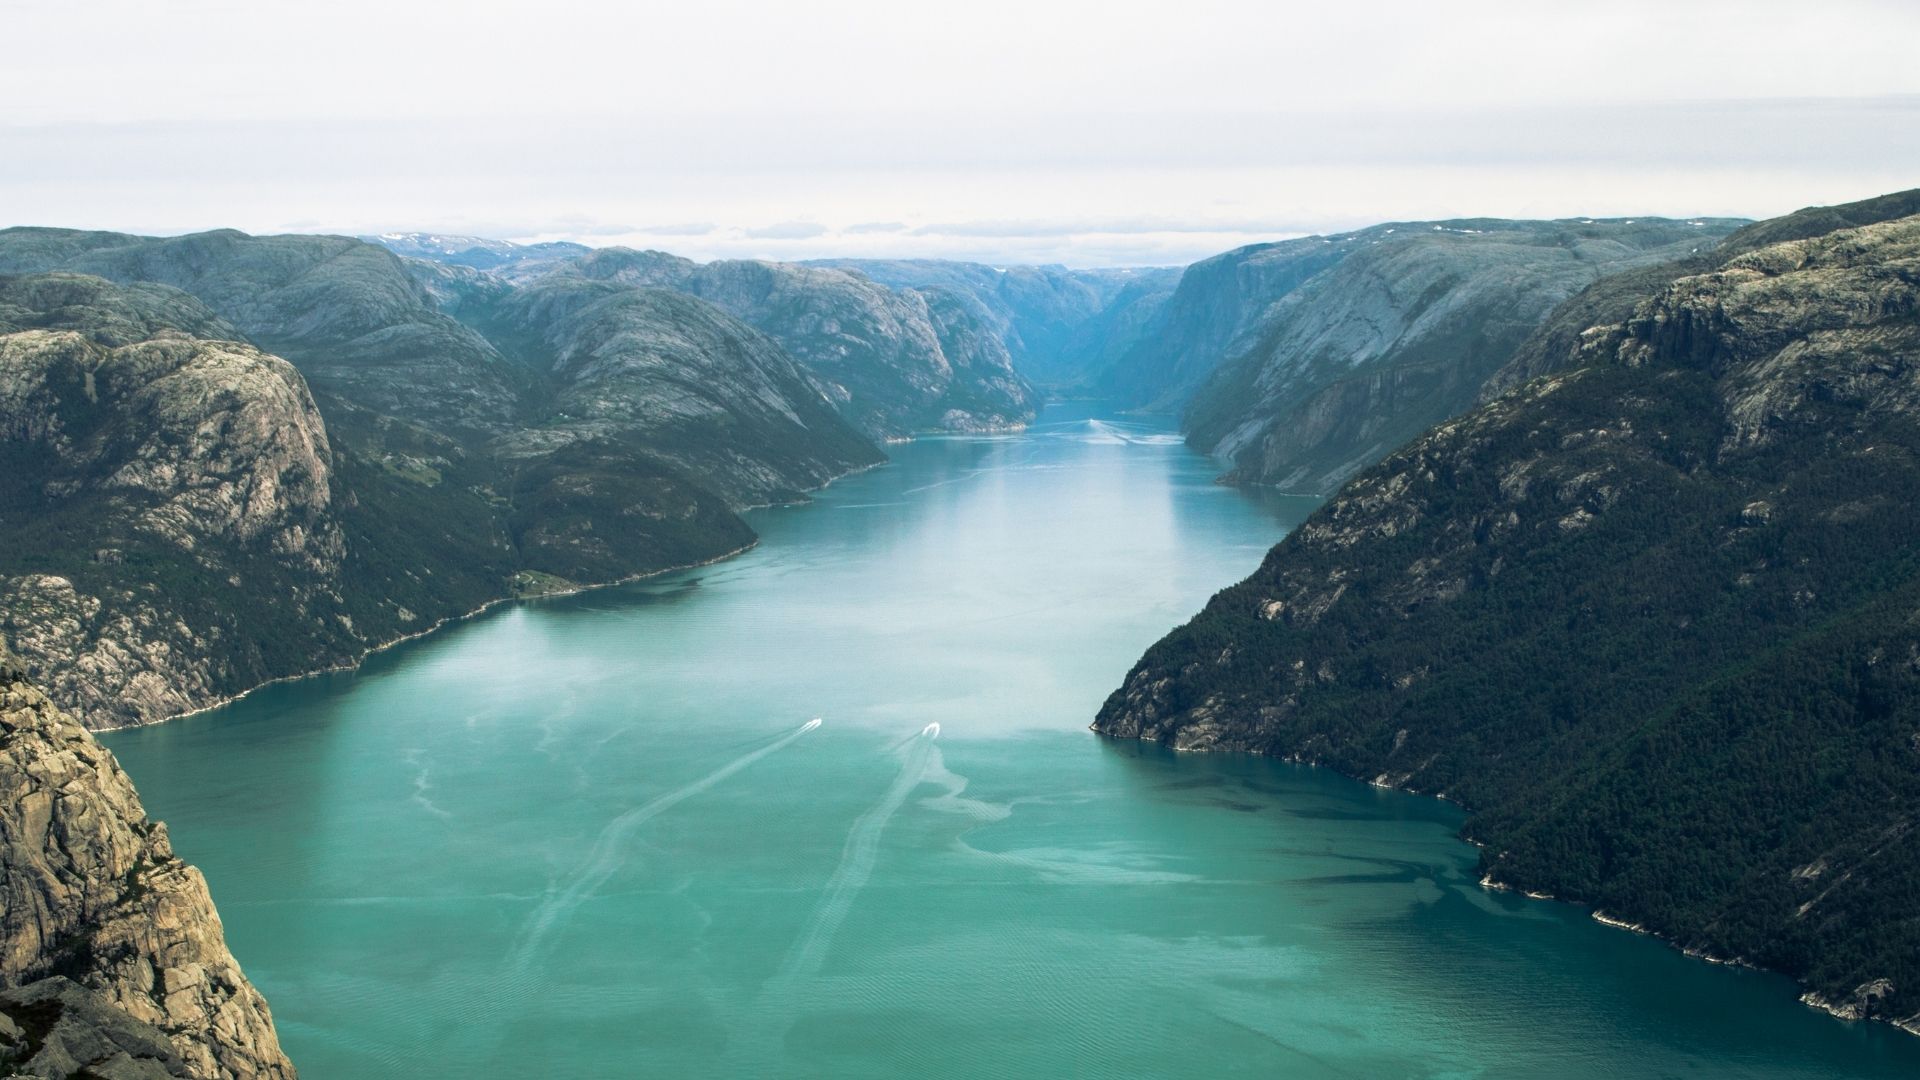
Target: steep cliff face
[
  {"x": 1611, "y": 300},
  {"x": 881, "y": 354},
  {"x": 1217, "y": 302},
  {"x": 112, "y": 957},
  {"x": 1655, "y": 619},
  {"x": 1398, "y": 335}
]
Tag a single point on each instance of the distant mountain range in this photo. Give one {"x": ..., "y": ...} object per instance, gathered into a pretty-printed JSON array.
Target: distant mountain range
[
  {"x": 476, "y": 252},
  {"x": 1064, "y": 329}
]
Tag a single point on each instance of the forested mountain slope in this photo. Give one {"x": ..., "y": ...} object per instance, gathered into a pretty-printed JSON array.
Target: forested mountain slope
[
  {"x": 1654, "y": 619},
  {"x": 886, "y": 361},
  {"x": 609, "y": 431}
]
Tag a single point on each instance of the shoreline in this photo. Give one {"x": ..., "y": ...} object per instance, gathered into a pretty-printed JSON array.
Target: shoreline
[
  {"x": 447, "y": 620},
  {"x": 1809, "y": 997},
  {"x": 444, "y": 621}
]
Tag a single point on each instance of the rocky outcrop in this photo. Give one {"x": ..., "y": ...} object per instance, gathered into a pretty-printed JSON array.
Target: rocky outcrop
[
  {"x": 696, "y": 387},
  {"x": 112, "y": 957},
  {"x": 56, "y": 1028},
  {"x": 1611, "y": 300},
  {"x": 1654, "y": 618},
  {"x": 345, "y": 312}
]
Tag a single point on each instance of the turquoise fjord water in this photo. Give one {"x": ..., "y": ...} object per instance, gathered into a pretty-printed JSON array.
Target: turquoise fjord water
[{"x": 594, "y": 836}]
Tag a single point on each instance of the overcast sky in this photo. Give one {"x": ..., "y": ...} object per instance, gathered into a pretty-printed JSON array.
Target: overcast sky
[{"x": 1086, "y": 133}]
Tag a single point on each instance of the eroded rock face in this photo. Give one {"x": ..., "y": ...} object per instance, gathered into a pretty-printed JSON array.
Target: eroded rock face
[
  {"x": 55, "y": 1029},
  {"x": 346, "y": 312},
  {"x": 91, "y": 891},
  {"x": 1654, "y": 618},
  {"x": 692, "y": 386}
]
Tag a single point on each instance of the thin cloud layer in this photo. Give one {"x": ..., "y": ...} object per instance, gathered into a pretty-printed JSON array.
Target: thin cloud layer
[{"x": 1079, "y": 133}]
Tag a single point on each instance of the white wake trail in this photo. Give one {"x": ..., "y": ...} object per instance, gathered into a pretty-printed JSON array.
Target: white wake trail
[
  {"x": 774, "y": 1008},
  {"x": 609, "y": 848},
  {"x": 857, "y": 859}
]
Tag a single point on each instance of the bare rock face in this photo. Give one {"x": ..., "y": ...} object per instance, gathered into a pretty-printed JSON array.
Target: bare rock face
[
  {"x": 346, "y": 312},
  {"x": 55, "y": 1029},
  {"x": 91, "y": 892}
]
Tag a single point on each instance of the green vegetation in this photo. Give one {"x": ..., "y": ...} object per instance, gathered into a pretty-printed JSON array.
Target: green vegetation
[
  {"x": 1655, "y": 620},
  {"x": 182, "y": 520}
]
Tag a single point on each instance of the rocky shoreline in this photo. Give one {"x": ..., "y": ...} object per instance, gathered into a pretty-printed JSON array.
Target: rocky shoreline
[
  {"x": 570, "y": 589},
  {"x": 1858, "y": 1008}
]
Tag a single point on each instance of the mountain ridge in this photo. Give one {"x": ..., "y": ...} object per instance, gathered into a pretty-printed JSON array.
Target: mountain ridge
[{"x": 428, "y": 496}]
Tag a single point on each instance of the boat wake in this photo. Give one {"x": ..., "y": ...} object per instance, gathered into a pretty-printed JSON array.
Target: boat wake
[
  {"x": 610, "y": 850},
  {"x": 779, "y": 998},
  {"x": 857, "y": 858}
]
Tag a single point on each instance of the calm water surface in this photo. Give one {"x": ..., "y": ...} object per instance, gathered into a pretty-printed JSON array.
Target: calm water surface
[{"x": 594, "y": 836}]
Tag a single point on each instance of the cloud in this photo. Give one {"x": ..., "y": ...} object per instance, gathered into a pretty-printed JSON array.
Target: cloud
[
  {"x": 786, "y": 230},
  {"x": 866, "y": 227},
  {"x": 694, "y": 229},
  {"x": 1109, "y": 227}
]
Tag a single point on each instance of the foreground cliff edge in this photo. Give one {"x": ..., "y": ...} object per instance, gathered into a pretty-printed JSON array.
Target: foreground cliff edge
[
  {"x": 1653, "y": 618},
  {"x": 112, "y": 959}
]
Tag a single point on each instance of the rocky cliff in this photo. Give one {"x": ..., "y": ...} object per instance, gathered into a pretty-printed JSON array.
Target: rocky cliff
[
  {"x": 1216, "y": 304},
  {"x": 691, "y": 386},
  {"x": 345, "y": 312},
  {"x": 1654, "y": 619},
  {"x": 112, "y": 959},
  {"x": 1397, "y": 328},
  {"x": 1611, "y": 300}
]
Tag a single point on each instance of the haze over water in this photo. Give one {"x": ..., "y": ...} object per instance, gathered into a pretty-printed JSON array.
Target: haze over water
[{"x": 599, "y": 836}]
